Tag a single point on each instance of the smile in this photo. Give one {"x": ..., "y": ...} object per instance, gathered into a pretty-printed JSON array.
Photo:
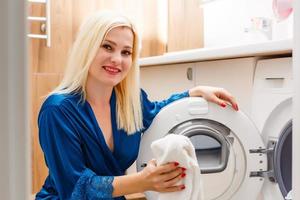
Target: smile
[{"x": 112, "y": 70}]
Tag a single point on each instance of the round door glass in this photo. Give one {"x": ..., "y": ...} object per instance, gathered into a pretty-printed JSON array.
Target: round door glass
[
  {"x": 219, "y": 154},
  {"x": 283, "y": 160}
]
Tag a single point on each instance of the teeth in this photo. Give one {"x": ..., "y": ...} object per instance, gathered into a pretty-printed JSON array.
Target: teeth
[{"x": 111, "y": 69}]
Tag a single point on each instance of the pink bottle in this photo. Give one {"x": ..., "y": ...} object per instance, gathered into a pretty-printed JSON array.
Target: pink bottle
[{"x": 282, "y": 8}]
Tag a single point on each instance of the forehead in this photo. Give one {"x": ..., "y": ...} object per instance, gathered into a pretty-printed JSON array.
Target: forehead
[{"x": 120, "y": 35}]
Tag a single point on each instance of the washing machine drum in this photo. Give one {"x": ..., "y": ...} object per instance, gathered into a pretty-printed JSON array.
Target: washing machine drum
[
  {"x": 282, "y": 161},
  {"x": 228, "y": 147},
  {"x": 277, "y": 134}
]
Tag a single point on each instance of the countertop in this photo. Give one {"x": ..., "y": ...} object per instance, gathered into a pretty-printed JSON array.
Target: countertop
[{"x": 268, "y": 48}]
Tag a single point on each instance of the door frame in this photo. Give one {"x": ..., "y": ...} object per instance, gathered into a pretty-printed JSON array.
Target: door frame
[
  {"x": 15, "y": 159},
  {"x": 296, "y": 101}
]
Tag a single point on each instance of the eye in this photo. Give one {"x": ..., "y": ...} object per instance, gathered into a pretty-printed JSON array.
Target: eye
[
  {"x": 107, "y": 46},
  {"x": 126, "y": 53}
]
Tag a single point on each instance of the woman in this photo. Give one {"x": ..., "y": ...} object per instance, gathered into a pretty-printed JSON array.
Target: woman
[{"x": 90, "y": 125}]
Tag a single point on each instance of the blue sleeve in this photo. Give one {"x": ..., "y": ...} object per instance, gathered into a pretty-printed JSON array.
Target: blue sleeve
[
  {"x": 151, "y": 109},
  {"x": 64, "y": 157}
]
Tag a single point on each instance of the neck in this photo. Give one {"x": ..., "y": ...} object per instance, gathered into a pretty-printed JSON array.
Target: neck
[{"x": 98, "y": 94}]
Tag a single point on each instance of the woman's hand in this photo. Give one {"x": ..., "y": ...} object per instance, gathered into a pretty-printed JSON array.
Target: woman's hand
[
  {"x": 216, "y": 95},
  {"x": 162, "y": 178}
]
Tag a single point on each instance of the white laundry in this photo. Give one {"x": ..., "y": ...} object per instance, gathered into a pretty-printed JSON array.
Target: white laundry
[
  {"x": 180, "y": 149},
  {"x": 289, "y": 196}
]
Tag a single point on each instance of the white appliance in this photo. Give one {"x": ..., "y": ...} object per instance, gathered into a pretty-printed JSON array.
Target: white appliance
[
  {"x": 234, "y": 155},
  {"x": 272, "y": 113}
]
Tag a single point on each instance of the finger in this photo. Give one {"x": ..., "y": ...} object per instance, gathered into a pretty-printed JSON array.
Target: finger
[
  {"x": 215, "y": 99},
  {"x": 174, "y": 188},
  {"x": 225, "y": 95},
  {"x": 233, "y": 103},
  {"x": 175, "y": 180},
  {"x": 171, "y": 175},
  {"x": 166, "y": 168}
]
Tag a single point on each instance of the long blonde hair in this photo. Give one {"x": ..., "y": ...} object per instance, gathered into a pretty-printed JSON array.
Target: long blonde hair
[{"x": 90, "y": 36}]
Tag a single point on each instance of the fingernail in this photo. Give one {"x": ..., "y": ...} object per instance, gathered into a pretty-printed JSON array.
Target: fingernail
[
  {"x": 176, "y": 164},
  {"x": 223, "y": 105},
  {"x": 183, "y": 175},
  {"x": 237, "y": 108},
  {"x": 183, "y": 169},
  {"x": 182, "y": 187}
]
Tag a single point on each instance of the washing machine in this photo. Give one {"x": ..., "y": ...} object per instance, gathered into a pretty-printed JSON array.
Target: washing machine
[
  {"x": 237, "y": 159},
  {"x": 272, "y": 113}
]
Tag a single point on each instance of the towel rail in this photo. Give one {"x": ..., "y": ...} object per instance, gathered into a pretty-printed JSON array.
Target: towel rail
[
  {"x": 37, "y": 36},
  {"x": 46, "y": 19},
  {"x": 37, "y": 18},
  {"x": 37, "y": 1}
]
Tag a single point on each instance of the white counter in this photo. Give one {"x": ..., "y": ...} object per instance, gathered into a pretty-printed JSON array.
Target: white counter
[{"x": 246, "y": 50}]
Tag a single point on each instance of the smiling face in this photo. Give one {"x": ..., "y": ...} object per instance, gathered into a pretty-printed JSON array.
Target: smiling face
[{"x": 114, "y": 57}]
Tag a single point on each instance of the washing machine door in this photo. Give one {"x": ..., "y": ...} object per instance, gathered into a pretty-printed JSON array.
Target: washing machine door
[
  {"x": 229, "y": 148},
  {"x": 277, "y": 134}
]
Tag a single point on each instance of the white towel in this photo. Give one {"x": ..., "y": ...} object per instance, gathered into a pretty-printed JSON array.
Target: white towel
[
  {"x": 180, "y": 149},
  {"x": 289, "y": 196}
]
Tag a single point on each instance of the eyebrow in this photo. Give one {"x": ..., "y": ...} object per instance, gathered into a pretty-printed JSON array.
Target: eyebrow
[{"x": 115, "y": 44}]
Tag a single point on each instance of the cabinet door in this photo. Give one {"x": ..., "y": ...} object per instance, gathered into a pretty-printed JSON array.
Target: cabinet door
[
  {"x": 162, "y": 81},
  {"x": 185, "y": 26},
  {"x": 235, "y": 75}
]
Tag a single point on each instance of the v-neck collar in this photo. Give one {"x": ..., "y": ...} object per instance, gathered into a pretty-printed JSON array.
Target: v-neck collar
[{"x": 99, "y": 133}]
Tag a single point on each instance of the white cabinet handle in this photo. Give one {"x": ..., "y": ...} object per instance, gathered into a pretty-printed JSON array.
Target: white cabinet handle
[
  {"x": 46, "y": 19},
  {"x": 189, "y": 73}
]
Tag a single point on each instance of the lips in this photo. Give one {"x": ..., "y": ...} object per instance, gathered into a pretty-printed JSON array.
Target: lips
[{"x": 111, "y": 70}]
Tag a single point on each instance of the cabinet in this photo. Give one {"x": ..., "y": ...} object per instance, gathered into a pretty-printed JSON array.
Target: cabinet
[
  {"x": 235, "y": 75},
  {"x": 161, "y": 81}
]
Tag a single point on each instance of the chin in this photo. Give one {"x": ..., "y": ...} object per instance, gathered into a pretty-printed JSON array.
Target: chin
[{"x": 112, "y": 83}]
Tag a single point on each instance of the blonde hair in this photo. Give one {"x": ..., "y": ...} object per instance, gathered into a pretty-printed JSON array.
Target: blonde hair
[{"x": 90, "y": 36}]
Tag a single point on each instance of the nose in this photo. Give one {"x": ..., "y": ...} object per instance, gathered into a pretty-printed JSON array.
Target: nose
[{"x": 116, "y": 58}]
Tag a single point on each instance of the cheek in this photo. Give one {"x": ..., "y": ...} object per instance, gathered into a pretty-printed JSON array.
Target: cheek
[
  {"x": 127, "y": 65},
  {"x": 101, "y": 57}
]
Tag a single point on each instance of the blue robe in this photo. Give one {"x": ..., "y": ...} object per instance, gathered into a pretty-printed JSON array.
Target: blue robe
[{"x": 81, "y": 165}]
